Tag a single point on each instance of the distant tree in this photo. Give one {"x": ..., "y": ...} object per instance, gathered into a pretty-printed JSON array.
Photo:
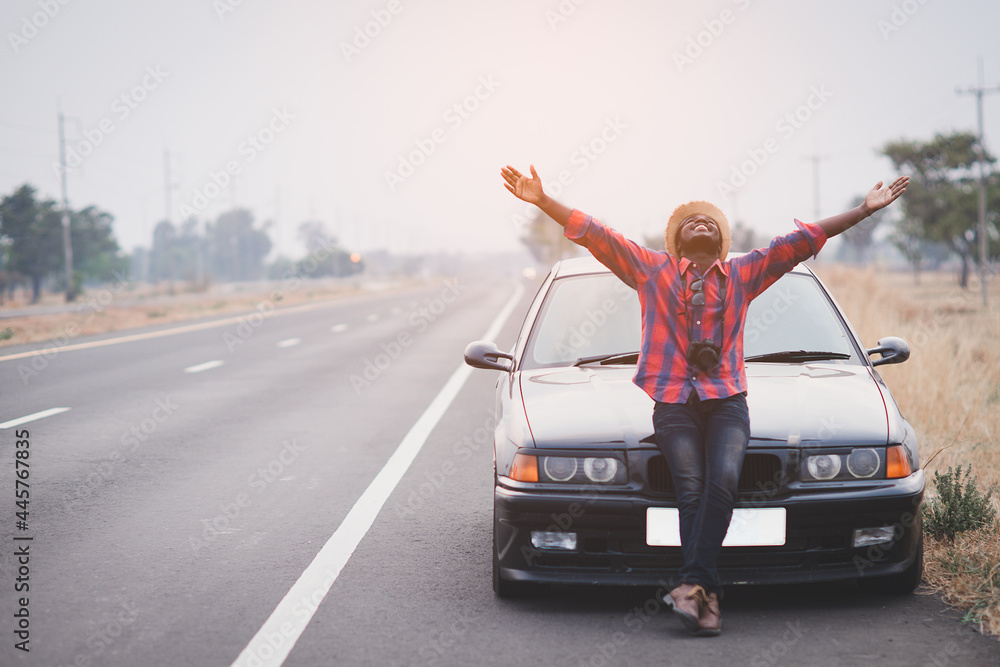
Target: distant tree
[
  {"x": 544, "y": 239},
  {"x": 744, "y": 239},
  {"x": 96, "y": 253},
  {"x": 33, "y": 231},
  {"x": 654, "y": 242},
  {"x": 236, "y": 247},
  {"x": 940, "y": 204},
  {"x": 174, "y": 254},
  {"x": 324, "y": 257},
  {"x": 858, "y": 240}
]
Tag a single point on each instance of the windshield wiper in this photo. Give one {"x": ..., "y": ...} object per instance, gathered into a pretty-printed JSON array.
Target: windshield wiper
[
  {"x": 606, "y": 359},
  {"x": 798, "y": 355}
]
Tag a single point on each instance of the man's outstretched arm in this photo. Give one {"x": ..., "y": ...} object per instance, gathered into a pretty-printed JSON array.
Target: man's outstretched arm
[
  {"x": 530, "y": 190},
  {"x": 877, "y": 198}
]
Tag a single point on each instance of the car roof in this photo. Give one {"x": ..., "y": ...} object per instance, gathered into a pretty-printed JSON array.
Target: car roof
[{"x": 575, "y": 266}]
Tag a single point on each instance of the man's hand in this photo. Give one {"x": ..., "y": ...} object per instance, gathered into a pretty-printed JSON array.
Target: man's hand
[
  {"x": 878, "y": 198},
  {"x": 522, "y": 187}
]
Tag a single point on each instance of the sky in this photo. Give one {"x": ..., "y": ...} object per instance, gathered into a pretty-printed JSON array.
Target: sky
[{"x": 389, "y": 120}]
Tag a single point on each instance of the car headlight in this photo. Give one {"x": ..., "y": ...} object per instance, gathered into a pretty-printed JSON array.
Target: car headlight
[
  {"x": 559, "y": 468},
  {"x": 823, "y": 466},
  {"x": 863, "y": 463},
  {"x": 600, "y": 469},
  {"x": 859, "y": 463},
  {"x": 569, "y": 469}
]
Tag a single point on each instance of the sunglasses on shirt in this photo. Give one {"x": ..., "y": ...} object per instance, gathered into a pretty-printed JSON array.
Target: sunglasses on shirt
[{"x": 698, "y": 296}]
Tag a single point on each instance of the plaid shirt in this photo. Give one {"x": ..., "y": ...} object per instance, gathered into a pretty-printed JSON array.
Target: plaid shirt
[{"x": 669, "y": 323}]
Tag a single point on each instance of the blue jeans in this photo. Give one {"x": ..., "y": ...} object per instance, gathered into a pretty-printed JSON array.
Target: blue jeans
[{"x": 704, "y": 443}]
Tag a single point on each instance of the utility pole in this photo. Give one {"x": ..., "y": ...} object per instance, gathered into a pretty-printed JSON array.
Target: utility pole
[
  {"x": 168, "y": 186},
  {"x": 67, "y": 238},
  {"x": 979, "y": 90},
  {"x": 815, "y": 160}
]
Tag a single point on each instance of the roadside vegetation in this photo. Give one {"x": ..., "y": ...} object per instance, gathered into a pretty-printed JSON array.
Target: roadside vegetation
[
  {"x": 949, "y": 390},
  {"x": 121, "y": 307}
]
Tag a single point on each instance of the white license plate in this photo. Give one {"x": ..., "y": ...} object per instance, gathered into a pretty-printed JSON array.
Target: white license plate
[{"x": 750, "y": 527}]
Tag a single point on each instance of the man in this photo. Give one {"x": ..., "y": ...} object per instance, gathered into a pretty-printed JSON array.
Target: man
[{"x": 694, "y": 304}]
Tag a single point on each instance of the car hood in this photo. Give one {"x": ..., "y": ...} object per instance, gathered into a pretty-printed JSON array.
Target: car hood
[{"x": 811, "y": 404}]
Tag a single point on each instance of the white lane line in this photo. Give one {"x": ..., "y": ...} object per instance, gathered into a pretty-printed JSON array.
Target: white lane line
[
  {"x": 275, "y": 639},
  {"x": 290, "y": 342},
  {"x": 208, "y": 365},
  {"x": 30, "y": 418},
  {"x": 338, "y": 328},
  {"x": 50, "y": 350}
]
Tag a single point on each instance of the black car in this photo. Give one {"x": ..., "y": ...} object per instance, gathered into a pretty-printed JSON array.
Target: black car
[{"x": 831, "y": 484}]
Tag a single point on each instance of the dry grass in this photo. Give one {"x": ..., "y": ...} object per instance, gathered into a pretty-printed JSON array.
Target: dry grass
[
  {"x": 966, "y": 573},
  {"x": 106, "y": 310},
  {"x": 949, "y": 390}
]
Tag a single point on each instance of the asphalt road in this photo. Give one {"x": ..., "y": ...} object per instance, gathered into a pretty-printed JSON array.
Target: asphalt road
[{"x": 179, "y": 500}]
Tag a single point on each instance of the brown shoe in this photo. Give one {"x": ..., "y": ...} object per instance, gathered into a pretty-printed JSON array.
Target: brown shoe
[
  {"x": 687, "y": 601},
  {"x": 710, "y": 619}
]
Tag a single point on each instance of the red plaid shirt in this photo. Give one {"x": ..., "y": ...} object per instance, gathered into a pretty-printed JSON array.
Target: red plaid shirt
[{"x": 669, "y": 323}]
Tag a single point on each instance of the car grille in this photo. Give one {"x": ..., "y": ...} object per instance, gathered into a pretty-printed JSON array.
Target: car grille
[{"x": 761, "y": 474}]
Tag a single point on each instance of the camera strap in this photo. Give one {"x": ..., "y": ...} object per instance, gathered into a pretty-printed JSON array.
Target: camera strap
[{"x": 718, "y": 328}]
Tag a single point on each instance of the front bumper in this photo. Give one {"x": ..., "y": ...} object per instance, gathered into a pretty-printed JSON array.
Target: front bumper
[{"x": 612, "y": 549}]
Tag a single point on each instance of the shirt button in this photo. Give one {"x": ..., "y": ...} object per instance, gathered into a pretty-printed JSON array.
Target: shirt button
[{"x": 698, "y": 322}]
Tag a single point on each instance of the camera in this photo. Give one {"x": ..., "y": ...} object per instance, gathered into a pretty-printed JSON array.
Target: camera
[{"x": 704, "y": 355}]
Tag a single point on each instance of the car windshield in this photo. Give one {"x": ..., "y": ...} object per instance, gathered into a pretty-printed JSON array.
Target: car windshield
[{"x": 596, "y": 315}]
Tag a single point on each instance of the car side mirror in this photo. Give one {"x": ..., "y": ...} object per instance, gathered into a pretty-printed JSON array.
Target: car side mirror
[
  {"x": 894, "y": 350},
  {"x": 485, "y": 354}
]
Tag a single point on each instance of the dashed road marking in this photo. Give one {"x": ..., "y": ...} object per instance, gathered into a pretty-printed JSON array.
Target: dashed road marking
[
  {"x": 208, "y": 365},
  {"x": 32, "y": 417}
]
